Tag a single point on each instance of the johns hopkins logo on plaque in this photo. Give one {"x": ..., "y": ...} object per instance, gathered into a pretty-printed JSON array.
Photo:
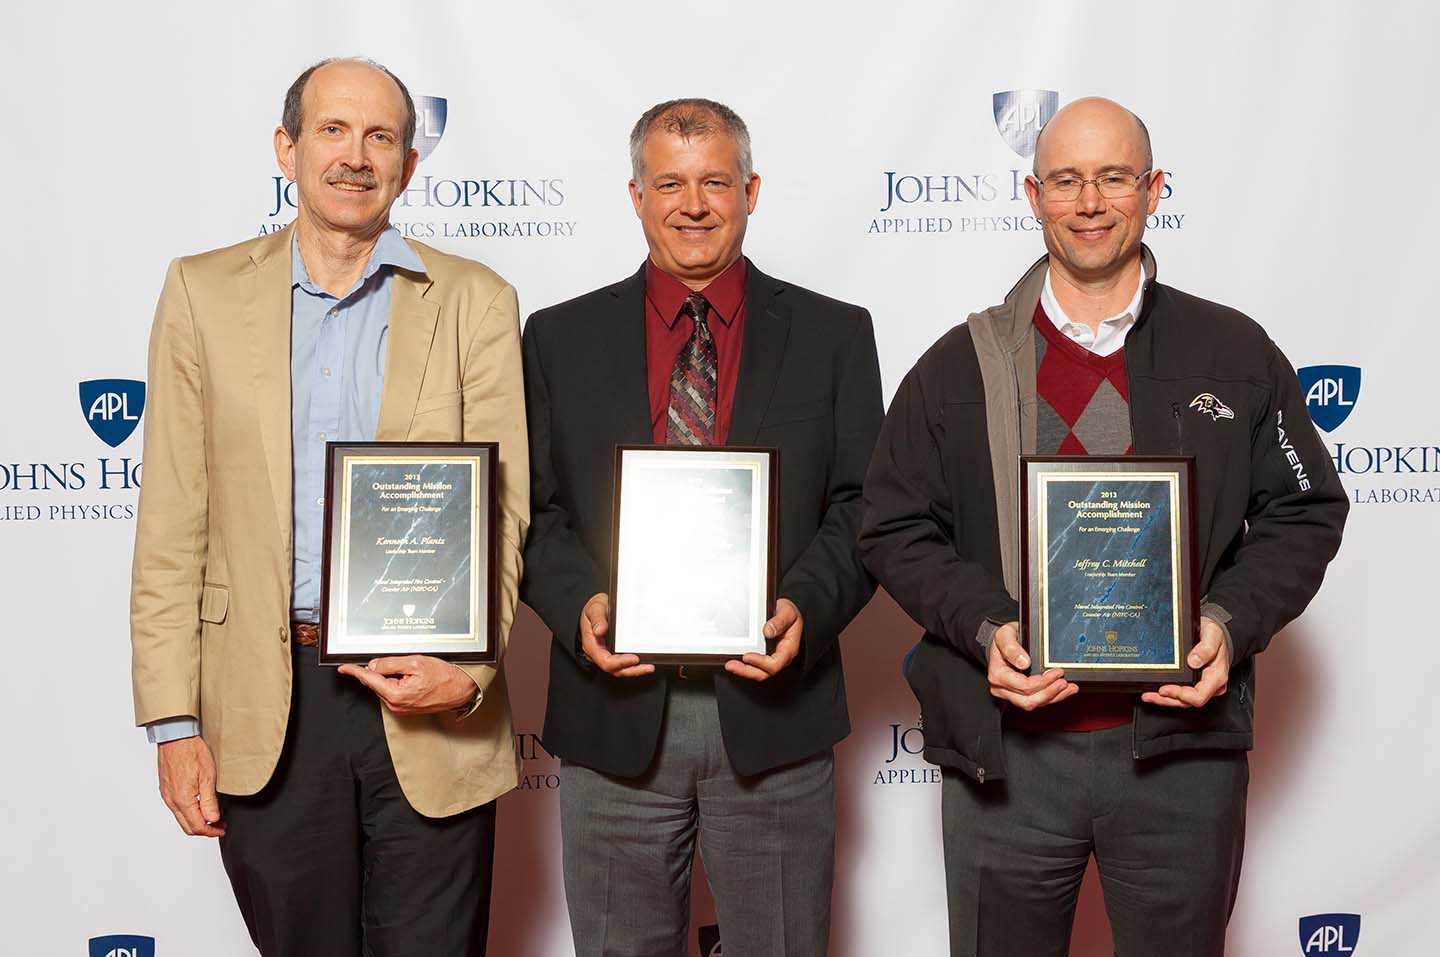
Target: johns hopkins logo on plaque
[
  {"x": 1019, "y": 115},
  {"x": 1330, "y": 393},
  {"x": 1329, "y": 933},
  {"x": 122, "y": 945},
  {"x": 429, "y": 124},
  {"x": 112, "y": 408}
]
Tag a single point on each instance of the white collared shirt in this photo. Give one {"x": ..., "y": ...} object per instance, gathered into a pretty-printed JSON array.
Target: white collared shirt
[{"x": 1111, "y": 334}]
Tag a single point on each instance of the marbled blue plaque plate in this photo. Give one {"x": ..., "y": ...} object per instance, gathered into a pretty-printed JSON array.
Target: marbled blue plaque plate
[
  {"x": 408, "y": 551},
  {"x": 1108, "y": 565}
]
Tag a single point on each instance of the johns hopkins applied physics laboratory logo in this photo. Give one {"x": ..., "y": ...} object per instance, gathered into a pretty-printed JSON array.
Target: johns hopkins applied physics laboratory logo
[
  {"x": 1373, "y": 472},
  {"x": 122, "y": 945},
  {"x": 84, "y": 486},
  {"x": 1333, "y": 934},
  {"x": 441, "y": 203},
  {"x": 982, "y": 192}
]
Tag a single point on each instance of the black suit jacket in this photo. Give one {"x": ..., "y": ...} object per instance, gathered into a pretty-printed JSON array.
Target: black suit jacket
[{"x": 810, "y": 386}]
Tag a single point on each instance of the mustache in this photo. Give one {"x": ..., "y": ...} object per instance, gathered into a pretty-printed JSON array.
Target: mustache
[{"x": 352, "y": 177}]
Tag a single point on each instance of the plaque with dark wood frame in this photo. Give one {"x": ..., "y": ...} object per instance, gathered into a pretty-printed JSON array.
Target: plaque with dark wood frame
[
  {"x": 772, "y": 457},
  {"x": 1111, "y": 676},
  {"x": 483, "y": 580}
]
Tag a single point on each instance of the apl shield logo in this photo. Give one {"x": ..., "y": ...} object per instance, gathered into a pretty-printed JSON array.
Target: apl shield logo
[
  {"x": 1019, "y": 115},
  {"x": 408, "y": 609},
  {"x": 1329, "y": 933},
  {"x": 112, "y": 407},
  {"x": 122, "y": 945},
  {"x": 430, "y": 114},
  {"x": 1330, "y": 393}
]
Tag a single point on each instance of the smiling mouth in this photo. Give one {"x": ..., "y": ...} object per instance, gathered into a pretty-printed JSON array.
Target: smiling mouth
[{"x": 1091, "y": 233}]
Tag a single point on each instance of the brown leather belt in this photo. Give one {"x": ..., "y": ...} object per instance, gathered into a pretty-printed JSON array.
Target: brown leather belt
[{"x": 305, "y": 633}]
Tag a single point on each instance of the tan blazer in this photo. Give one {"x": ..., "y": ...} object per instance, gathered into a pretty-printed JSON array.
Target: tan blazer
[{"x": 210, "y": 592}]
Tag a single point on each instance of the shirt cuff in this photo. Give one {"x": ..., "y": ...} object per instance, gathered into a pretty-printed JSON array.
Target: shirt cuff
[
  {"x": 986, "y": 635},
  {"x": 466, "y": 710},
  {"x": 1221, "y": 617},
  {"x": 172, "y": 729}
]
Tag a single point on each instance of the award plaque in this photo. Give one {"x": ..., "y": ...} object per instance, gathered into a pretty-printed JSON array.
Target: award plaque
[
  {"x": 1108, "y": 566},
  {"x": 693, "y": 555},
  {"x": 409, "y": 562}
]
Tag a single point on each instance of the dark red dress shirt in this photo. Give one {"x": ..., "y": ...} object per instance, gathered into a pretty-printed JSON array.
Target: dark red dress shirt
[{"x": 667, "y": 331}]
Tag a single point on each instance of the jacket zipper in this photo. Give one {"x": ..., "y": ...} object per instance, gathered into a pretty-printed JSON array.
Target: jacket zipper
[{"x": 1179, "y": 427}]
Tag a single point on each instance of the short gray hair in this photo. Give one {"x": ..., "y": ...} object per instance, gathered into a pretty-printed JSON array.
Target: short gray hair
[
  {"x": 291, "y": 117},
  {"x": 691, "y": 117}
]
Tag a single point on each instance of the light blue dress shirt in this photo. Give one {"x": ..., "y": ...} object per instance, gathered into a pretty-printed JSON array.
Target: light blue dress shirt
[{"x": 337, "y": 376}]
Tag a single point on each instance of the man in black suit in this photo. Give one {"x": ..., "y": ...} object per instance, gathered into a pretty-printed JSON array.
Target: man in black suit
[{"x": 698, "y": 347}]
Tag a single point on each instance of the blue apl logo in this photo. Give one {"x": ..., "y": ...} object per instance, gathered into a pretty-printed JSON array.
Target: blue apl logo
[
  {"x": 430, "y": 112},
  {"x": 122, "y": 945},
  {"x": 112, "y": 407},
  {"x": 1330, "y": 393},
  {"x": 1329, "y": 933},
  {"x": 1019, "y": 115}
]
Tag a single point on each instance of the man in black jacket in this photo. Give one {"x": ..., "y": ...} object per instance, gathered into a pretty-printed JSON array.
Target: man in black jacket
[
  {"x": 1090, "y": 354},
  {"x": 698, "y": 347}
]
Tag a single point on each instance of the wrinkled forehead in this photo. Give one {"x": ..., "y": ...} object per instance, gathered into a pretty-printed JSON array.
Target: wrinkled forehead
[{"x": 353, "y": 87}]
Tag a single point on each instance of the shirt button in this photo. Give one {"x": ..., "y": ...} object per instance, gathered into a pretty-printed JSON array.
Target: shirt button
[
  {"x": 322, "y": 436},
  {"x": 284, "y": 634},
  {"x": 334, "y": 313},
  {"x": 320, "y": 500},
  {"x": 326, "y": 372}
]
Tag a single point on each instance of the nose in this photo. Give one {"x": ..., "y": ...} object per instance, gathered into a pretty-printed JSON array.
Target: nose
[
  {"x": 693, "y": 203},
  {"x": 353, "y": 155},
  {"x": 1091, "y": 200}
]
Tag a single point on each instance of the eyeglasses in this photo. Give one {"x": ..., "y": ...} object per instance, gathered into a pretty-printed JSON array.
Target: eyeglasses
[{"x": 1066, "y": 188}]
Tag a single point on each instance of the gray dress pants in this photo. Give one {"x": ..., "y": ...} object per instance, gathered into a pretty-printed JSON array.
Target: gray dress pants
[
  {"x": 1167, "y": 834},
  {"x": 767, "y": 842}
]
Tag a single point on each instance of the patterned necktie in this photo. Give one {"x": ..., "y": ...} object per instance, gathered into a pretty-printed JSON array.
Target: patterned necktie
[{"x": 691, "y": 419}]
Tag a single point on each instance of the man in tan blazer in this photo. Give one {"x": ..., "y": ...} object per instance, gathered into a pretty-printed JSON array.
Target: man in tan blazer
[{"x": 345, "y": 823}]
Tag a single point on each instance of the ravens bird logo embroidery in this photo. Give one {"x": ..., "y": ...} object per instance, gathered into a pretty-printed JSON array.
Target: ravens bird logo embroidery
[{"x": 1216, "y": 409}]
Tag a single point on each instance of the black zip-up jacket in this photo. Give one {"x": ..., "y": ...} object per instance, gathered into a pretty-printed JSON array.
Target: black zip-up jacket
[{"x": 941, "y": 521}]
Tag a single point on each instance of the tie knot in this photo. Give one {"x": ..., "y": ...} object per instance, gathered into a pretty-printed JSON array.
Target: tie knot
[{"x": 696, "y": 306}]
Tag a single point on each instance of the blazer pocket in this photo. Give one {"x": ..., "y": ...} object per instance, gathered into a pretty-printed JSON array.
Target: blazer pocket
[
  {"x": 442, "y": 400},
  {"x": 214, "y": 603},
  {"x": 795, "y": 413}
]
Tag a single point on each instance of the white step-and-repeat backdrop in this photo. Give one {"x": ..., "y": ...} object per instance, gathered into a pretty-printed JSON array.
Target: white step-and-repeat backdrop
[{"x": 1301, "y": 140}]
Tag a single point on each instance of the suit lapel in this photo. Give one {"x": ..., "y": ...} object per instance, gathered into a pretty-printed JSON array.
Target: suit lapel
[
  {"x": 265, "y": 291},
  {"x": 767, "y": 326},
  {"x": 412, "y": 330},
  {"x": 624, "y": 327}
]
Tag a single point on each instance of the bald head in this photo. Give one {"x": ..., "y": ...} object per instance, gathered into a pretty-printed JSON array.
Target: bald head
[{"x": 1087, "y": 127}]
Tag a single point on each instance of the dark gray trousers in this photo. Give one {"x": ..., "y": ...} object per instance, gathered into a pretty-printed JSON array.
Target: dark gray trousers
[
  {"x": 767, "y": 842},
  {"x": 1167, "y": 834}
]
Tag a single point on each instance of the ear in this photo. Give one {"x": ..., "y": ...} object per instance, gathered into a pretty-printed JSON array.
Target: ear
[
  {"x": 1032, "y": 193},
  {"x": 1153, "y": 190},
  {"x": 635, "y": 196},
  {"x": 285, "y": 153},
  {"x": 752, "y": 192},
  {"x": 407, "y": 169}
]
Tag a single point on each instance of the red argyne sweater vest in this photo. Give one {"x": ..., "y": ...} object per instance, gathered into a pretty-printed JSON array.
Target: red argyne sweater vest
[{"x": 1083, "y": 408}]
